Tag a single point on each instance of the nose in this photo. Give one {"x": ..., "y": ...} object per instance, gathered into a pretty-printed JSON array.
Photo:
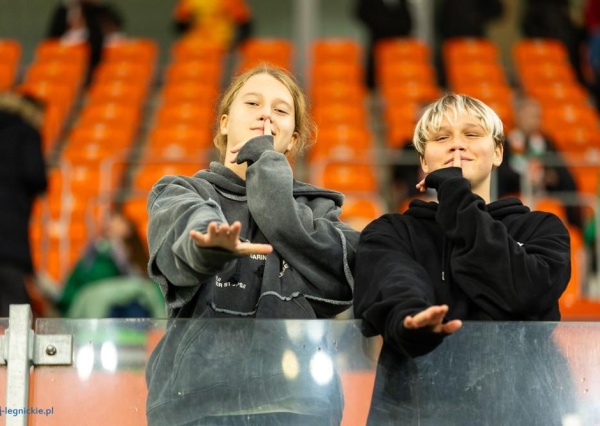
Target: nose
[
  {"x": 458, "y": 143},
  {"x": 264, "y": 114}
]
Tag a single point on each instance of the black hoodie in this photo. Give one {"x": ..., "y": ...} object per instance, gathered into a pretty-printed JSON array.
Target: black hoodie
[{"x": 496, "y": 262}]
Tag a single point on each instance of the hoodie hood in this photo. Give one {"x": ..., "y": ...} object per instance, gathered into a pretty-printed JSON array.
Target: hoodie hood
[
  {"x": 498, "y": 209},
  {"x": 28, "y": 109},
  {"x": 226, "y": 180}
]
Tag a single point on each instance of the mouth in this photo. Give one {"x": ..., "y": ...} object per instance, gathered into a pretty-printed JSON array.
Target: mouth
[
  {"x": 462, "y": 160},
  {"x": 261, "y": 130}
]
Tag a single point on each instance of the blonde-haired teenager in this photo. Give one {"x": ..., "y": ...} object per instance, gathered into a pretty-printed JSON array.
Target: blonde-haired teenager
[{"x": 464, "y": 257}]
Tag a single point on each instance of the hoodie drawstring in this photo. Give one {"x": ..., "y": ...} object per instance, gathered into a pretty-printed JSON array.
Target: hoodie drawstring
[{"x": 444, "y": 259}]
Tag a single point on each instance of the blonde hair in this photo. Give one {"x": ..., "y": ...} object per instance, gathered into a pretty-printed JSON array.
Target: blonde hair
[
  {"x": 432, "y": 116},
  {"x": 304, "y": 125}
]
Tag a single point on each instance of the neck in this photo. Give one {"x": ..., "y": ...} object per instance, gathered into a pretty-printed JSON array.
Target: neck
[
  {"x": 483, "y": 190},
  {"x": 238, "y": 169}
]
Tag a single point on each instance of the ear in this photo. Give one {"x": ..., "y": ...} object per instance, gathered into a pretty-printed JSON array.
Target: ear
[
  {"x": 498, "y": 155},
  {"x": 295, "y": 137},
  {"x": 223, "y": 121},
  {"x": 424, "y": 165}
]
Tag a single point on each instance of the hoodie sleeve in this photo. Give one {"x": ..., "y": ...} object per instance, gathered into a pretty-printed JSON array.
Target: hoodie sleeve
[
  {"x": 391, "y": 284},
  {"x": 516, "y": 275},
  {"x": 177, "y": 264},
  {"x": 308, "y": 234}
]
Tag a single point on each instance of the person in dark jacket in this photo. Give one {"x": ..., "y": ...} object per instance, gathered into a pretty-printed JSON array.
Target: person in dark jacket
[
  {"x": 23, "y": 177},
  {"x": 244, "y": 240},
  {"x": 421, "y": 273},
  {"x": 383, "y": 19}
]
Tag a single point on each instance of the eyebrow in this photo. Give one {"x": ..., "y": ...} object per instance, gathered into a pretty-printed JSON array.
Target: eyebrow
[
  {"x": 465, "y": 126},
  {"x": 260, "y": 95}
]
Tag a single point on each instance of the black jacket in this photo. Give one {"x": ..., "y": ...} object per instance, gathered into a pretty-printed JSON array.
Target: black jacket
[
  {"x": 22, "y": 177},
  {"x": 496, "y": 262}
]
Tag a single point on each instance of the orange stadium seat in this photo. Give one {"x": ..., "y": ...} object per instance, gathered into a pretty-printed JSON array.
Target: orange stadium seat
[
  {"x": 411, "y": 92},
  {"x": 337, "y": 92},
  {"x": 139, "y": 50},
  {"x": 342, "y": 143},
  {"x": 189, "y": 112},
  {"x": 401, "y": 49},
  {"x": 193, "y": 71},
  {"x": 103, "y": 133},
  {"x": 557, "y": 92},
  {"x": 467, "y": 50},
  {"x": 128, "y": 72},
  {"x": 197, "y": 49},
  {"x": 346, "y": 177},
  {"x": 10, "y": 51},
  {"x": 113, "y": 113},
  {"x": 10, "y": 56},
  {"x": 487, "y": 92},
  {"x": 275, "y": 51},
  {"x": 460, "y": 74},
  {"x": 334, "y": 49},
  {"x": 576, "y": 138},
  {"x": 54, "y": 50},
  {"x": 56, "y": 71},
  {"x": 7, "y": 76},
  {"x": 531, "y": 74},
  {"x": 325, "y": 73},
  {"x": 404, "y": 71},
  {"x": 149, "y": 173},
  {"x": 117, "y": 91},
  {"x": 339, "y": 113},
  {"x": 538, "y": 50},
  {"x": 368, "y": 208},
  {"x": 557, "y": 116},
  {"x": 179, "y": 141},
  {"x": 198, "y": 92}
]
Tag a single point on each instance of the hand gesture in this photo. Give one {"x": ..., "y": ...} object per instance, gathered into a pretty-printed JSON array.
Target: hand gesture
[
  {"x": 266, "y": 131},
  {"x": 456, "y": 163},
  {"x": 228, "y": 237},
  {"x": 432, "y": 318}
]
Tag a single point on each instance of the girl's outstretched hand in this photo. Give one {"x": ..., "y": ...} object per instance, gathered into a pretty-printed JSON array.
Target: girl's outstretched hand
[{"x": 227, "y": 237}]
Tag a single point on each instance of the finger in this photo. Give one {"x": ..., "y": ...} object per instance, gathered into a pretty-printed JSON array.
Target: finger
[
  {"x": 267, "y": 128},
  {"x": 451, "y": 326},
  {"x": 234, "y": 230},
  {"x": 457, "y": 162},
  {"x": 250, "y": 248},
  {"x": 224, "y": 229},
  {"x": 212, "y": 230},
  {"x": 421, "y": 186}
]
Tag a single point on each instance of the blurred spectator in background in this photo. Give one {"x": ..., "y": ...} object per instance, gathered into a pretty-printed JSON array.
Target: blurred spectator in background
[
  {"x": 462, "y": 18},
  {"x": 85, "y": 21},
  {"x": 553, "y": 19},
  {"x": 383, "y": 19},
  {"x": 111, "y": 25},
  {"x": 22, "y": 178},
  {"x": 527, "y": 151},
  {"x": 225, "y": 22},
  {"x": 117, "y": 252}
]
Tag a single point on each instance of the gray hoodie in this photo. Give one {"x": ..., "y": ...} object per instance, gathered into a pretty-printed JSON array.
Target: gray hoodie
[
  {"x": 308, "y": 274},
  {"x": 223, "y": 369}
]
